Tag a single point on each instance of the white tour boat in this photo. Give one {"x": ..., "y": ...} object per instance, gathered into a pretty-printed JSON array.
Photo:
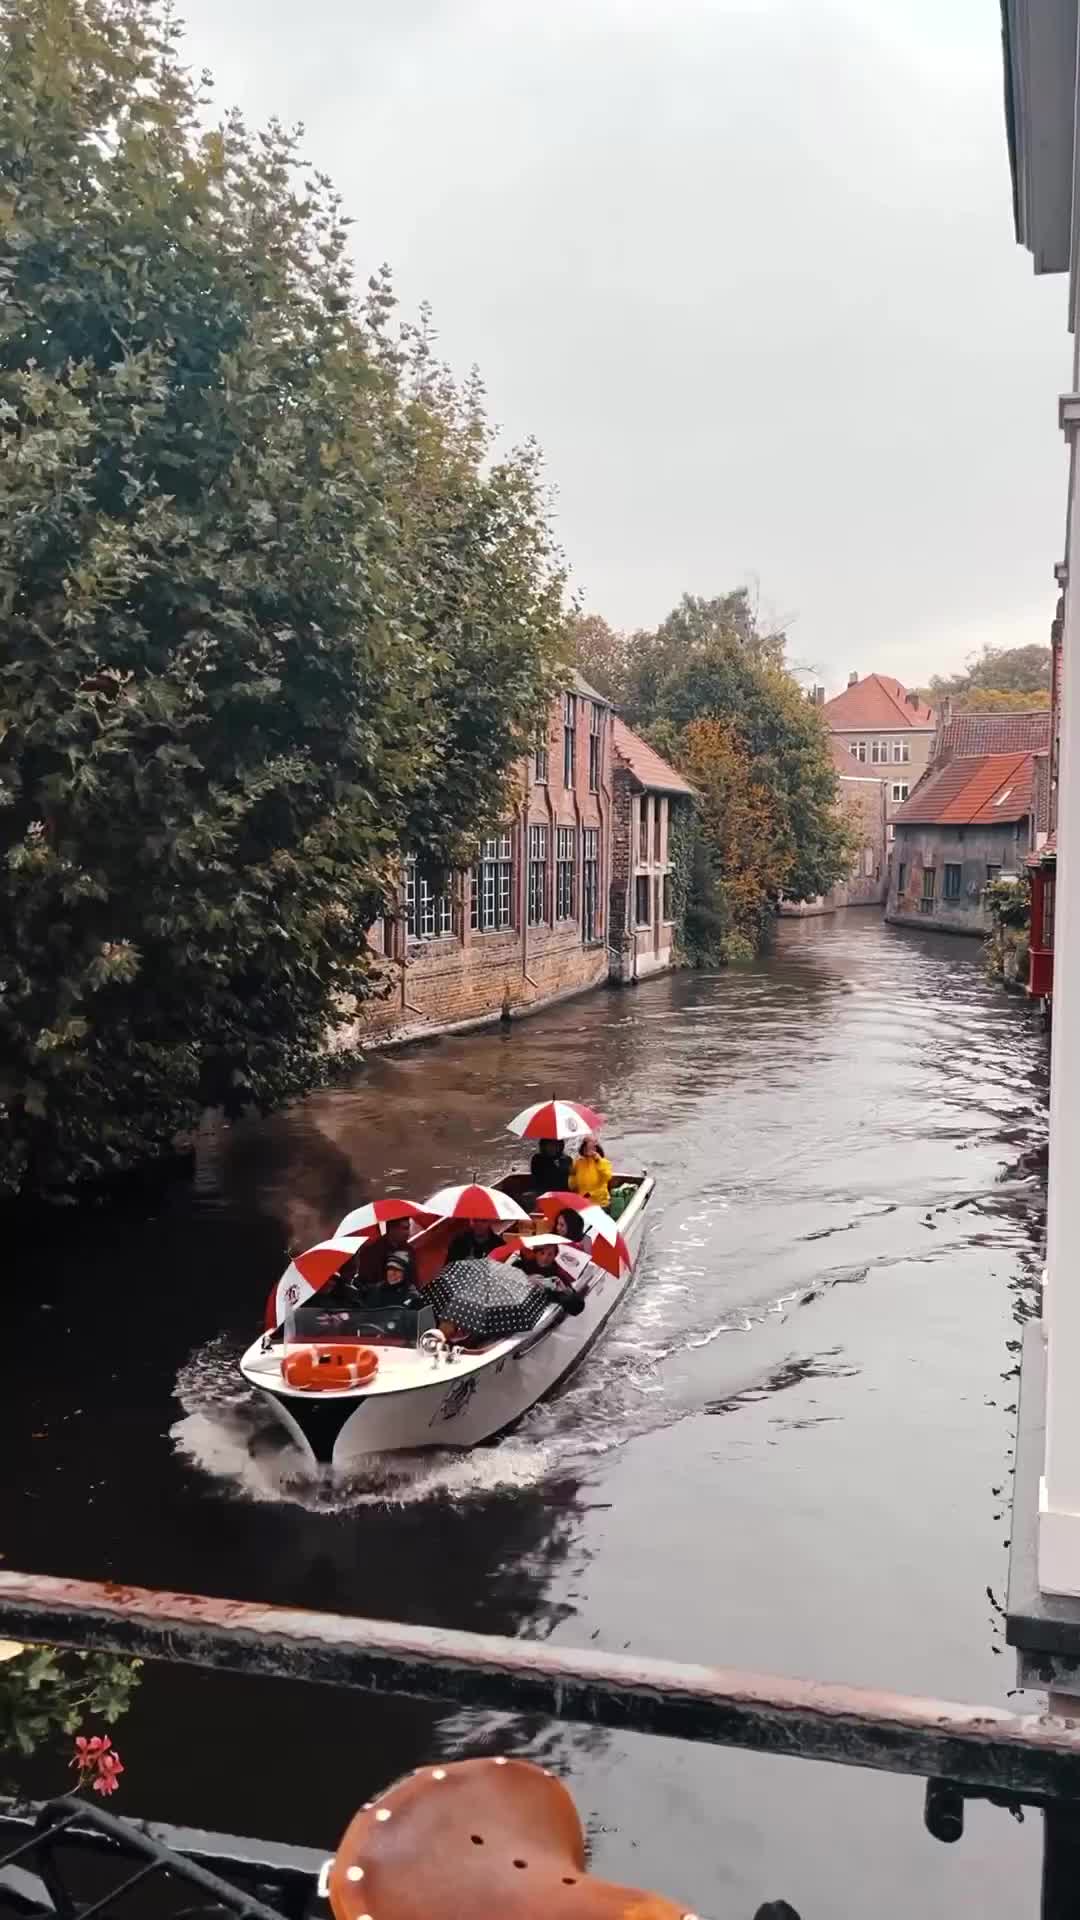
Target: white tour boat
[{"x": 402, "y": 1393}]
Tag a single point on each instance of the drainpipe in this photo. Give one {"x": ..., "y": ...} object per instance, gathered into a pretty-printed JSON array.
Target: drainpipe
[
  {"x": 630, "y": 923},
  {"x": 523, "y": 890}
]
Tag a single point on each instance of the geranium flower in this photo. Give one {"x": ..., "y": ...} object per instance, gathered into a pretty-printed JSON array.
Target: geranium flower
[{"x": 95, "y": 1755}]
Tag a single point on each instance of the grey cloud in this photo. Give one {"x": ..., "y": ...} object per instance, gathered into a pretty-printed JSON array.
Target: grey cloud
[{"x": 747, "y": 272}]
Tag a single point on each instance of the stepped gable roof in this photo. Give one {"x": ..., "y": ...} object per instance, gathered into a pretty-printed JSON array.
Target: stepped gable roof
[
  {"x": 646, "y": 766},
  {"x": 878, "y": 701},
  {"x": 986, "y": 789}
]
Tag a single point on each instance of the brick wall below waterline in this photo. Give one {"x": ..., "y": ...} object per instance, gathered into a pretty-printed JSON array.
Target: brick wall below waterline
[{"x": 446, "y": 982}]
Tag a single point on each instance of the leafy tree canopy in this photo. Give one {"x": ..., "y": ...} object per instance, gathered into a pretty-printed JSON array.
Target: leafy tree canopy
[
  {"x": 710, "y": 690},
  {"x": 269, "y": 606},
  {"x": 994, "y": 671}
]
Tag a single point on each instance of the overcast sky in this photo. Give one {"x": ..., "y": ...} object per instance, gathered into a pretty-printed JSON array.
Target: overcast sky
[{"x": 747, "y": 272}]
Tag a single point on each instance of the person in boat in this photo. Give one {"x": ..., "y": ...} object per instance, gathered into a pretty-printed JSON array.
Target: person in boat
[
  {"x": 549, "y": 1168},
  {"x": 366, "y": 1273},
  {"x": 477, "y": 1239},
  {"x": 540, "y": 1264},
  {"x": 591, "y": 1173},
  {"x": 569, "y": 1225},
  {"x": 397, "y": 1286}
]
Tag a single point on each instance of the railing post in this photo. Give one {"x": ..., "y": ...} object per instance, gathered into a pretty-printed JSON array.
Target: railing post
[{"x": 1061, "y": 1862}]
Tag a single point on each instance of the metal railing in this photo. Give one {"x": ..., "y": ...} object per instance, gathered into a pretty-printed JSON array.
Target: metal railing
[{"x": 962, "y": 1751}]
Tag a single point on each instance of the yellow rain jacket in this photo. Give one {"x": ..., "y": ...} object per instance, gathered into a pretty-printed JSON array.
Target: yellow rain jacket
[{"x": 591, "y": 1178}]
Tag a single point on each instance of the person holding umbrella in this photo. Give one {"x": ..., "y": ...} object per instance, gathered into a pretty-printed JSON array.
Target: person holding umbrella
[
  {"x": 366, "y": 1274},
  {"x": 539, "y": 1262},
  {"x": 549, "y": 1168},
  {"x": 477, "y": 1240}
]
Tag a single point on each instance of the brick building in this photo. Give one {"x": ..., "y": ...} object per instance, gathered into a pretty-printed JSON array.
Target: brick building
[
  {"x": 972, "y": 820},
  {"x": 526, "y": 924},
  {"x": 883, "y": 726},
  {"x": 641, "y": 913}
]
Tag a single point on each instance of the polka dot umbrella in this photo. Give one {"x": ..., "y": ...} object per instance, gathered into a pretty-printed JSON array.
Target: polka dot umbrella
[{"x": 486, "y": 1300}]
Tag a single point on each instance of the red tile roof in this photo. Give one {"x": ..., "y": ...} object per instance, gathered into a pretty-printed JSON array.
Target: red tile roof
[
  {"x": 968, "y": 733},
  {"x": 988, "y": 789},
  {"x": 648, "y": 768},
  {"x": 877, "y": 701}
]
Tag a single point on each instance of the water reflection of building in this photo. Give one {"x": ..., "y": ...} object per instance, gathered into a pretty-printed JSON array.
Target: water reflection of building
[{"x": 1043, "y": 127}]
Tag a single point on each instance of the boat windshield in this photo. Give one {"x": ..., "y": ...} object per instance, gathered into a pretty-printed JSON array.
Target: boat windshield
[{"x": 396, "y": 1326}]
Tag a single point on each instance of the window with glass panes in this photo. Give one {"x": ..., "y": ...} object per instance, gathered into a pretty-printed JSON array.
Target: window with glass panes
[
  {"x": 929, "y": 887},
  {"x": 658, "y": 829},
  {"x": 857, "y": 748},
  {"x": 953, "y": 879},
  {"x": 538, "y": 866},
  {"x": 429, "y": 908},
  {"x": 643, "y": 830},
  {"x": 666, "y": 908},
  {"x": 590, "y": 882},
  {"x": 493, "y": 885},
  {"x": 564, "y": 872},
  {"x": 643, "y": 900},
  {"x": 569, "y": 737},
  {"x": 540, "y": 766},
  {"x": 901, "y": 752},
  {"x": 595, "y": 715}
]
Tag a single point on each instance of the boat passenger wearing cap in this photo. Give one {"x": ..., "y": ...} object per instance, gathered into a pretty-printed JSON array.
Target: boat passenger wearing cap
[
  {"x": 387, "y": 1276},
  {"x": 397, "y": 1286}
]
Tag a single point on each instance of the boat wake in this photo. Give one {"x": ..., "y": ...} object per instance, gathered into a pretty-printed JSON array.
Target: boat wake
[{"x": 622, "y": 1390}]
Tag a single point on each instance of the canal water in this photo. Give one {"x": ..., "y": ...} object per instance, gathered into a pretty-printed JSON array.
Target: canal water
[{"x": 791, "y": 1452}]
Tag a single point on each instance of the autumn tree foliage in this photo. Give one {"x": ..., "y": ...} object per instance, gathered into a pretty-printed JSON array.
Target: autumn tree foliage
[
  {"x": 710, "y": 689},
  {"x": 270, "y": 607}
]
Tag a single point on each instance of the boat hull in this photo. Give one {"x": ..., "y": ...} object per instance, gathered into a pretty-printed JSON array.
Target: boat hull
[{"x": 460, "y": 1403}]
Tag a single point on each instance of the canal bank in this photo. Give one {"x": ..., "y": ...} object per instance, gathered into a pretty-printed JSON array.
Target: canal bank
[{"x": 789, "y": 1453}]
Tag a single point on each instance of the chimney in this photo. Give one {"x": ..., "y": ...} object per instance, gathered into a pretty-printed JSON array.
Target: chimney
[
  {"x": 853, "y": 679},
  {"x": 912, "y": 700},
  {"x": 817, "y": 696}
]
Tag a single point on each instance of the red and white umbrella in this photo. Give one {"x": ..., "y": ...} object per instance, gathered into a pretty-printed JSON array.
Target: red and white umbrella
[
  {"x": 555, "y": 1120},
  {"x": 607, "y": 1244},
  {"x": 305, "y": 1274},
  {"x": 320, "y": 1263},
  {"x": 474, "y": 1203},
  {"x": 366, "y": 1221}
]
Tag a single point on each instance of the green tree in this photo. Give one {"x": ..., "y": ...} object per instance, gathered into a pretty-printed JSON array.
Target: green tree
[
  {"x": 267, "y": 606},
  {"x": 603, "y": 654},
  {"x": 1012, "y": 670},
  {"x": 710, "y": 691}
]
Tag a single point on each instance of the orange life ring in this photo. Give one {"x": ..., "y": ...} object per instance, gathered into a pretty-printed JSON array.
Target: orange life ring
[{"x": 317, "y": 1366}]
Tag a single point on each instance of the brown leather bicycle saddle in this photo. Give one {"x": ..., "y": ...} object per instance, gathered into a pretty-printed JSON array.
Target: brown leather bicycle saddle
[{"x": 477, "y": 1840}]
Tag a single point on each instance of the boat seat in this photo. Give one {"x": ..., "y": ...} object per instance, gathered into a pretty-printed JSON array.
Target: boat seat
[{"x": 494, "y": 1839}]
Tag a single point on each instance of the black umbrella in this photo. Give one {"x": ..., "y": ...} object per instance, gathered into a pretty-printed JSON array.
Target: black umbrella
[{"x": 486, "y": 1299}]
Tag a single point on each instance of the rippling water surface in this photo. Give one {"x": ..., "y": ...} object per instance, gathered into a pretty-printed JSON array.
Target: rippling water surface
[{"x": 790, "y": 1452}]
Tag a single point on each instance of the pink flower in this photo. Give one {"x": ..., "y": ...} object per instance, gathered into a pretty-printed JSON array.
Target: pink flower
[{"x": 96, "y": 1756}]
